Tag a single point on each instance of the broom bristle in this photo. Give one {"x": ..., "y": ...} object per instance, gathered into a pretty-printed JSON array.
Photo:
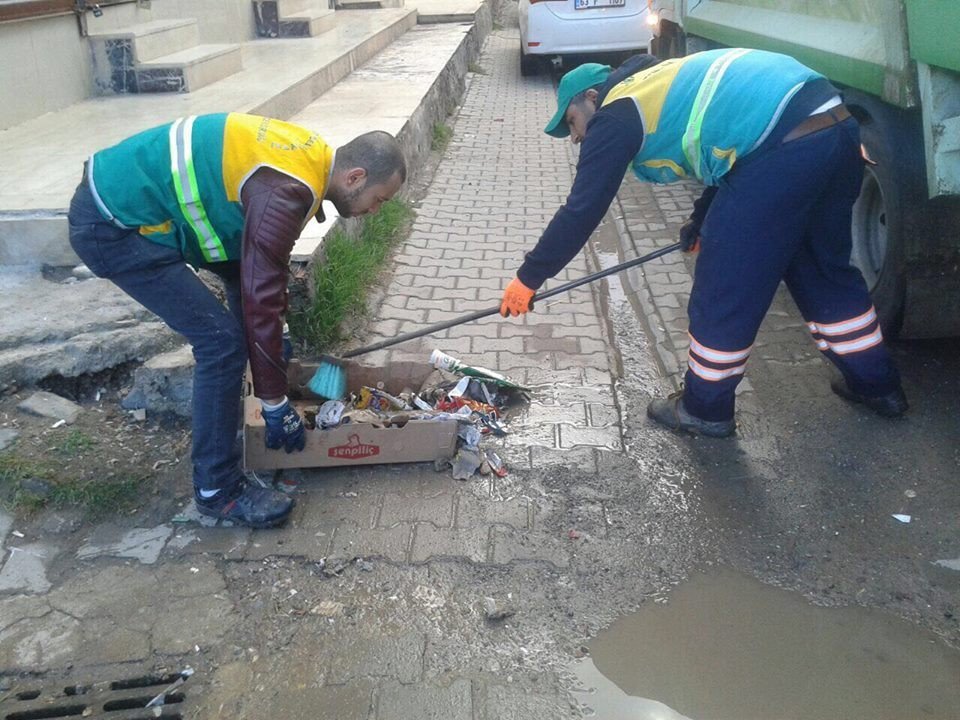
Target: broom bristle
[{"x": 329, "y": 381}]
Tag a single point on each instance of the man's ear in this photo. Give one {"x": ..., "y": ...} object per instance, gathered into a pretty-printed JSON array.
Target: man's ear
[
  {"x": 354, "y": 178},
  {"x": 592, "y": 95}
]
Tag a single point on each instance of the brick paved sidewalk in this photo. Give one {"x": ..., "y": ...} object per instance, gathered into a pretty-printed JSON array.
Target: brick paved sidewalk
[{"x": 495, "y": 191}]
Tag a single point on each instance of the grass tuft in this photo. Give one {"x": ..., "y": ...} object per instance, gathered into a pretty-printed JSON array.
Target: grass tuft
[
  {"x": 340, "y": 283},
  {"x": 441, "y": 137},
  {"x": 75, "y": 443},
  {"x": 477, "y": 68},
  {"x": 27, "y": 486}
]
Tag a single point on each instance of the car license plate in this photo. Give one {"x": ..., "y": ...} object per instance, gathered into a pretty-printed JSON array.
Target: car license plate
[{"x": 587, "y": 4}]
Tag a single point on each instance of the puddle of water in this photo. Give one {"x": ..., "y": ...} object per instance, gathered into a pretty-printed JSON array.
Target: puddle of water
[
  {"x": 608, "y": 702},
  {"x": 614, "y": 285},
  {"x": 727, "y": 647}
]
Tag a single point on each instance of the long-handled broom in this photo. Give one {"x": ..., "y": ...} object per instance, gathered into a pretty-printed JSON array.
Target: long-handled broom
[{"x": 330, "y": 379}]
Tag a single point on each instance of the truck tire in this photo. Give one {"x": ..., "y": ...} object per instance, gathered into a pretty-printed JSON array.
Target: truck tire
[
  {"x": 889, "y": 209},
  {"x": 669, "y": 44}
]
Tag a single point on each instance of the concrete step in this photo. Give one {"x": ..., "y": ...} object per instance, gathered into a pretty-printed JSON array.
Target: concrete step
[
  {"x": 368, "y": 4},
  {"x": 189, "y": 70},
  {"x": 431, "y": 12},
  {"x": 291, "y": 8},
  {"x": 307, "y": 25},
  {"x": 90, "y": 325},
  {"x": 149, "y": 40},
  {"x": 71, "y": 328},
  {"x": 41, "y": 170},
  {"x": 293, "y": 18},
  {"x": 405, "y": 90}
]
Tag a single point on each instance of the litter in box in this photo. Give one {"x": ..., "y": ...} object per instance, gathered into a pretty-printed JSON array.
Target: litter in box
[{"x": 477, "y": 401}]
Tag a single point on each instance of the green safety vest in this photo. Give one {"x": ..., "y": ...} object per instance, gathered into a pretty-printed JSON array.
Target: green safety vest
[{"x": 180, "y": 184}]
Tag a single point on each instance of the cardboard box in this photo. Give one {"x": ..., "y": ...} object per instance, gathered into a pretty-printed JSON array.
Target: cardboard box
[{"x": 353, "y": 443}]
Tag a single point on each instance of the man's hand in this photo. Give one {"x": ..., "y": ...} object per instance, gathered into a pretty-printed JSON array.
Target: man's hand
[
  {"x": 516, "y": 299},
  {"x": 690, "y": 236},
  {"x": 284, "y": 428}
]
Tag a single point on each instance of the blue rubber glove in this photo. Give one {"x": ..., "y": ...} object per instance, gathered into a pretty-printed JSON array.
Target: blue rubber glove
[{"x": 284, "y": 428}]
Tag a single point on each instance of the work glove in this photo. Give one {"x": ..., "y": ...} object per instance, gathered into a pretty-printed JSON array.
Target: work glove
[
  {"x": 284, "y": 428},
  {"x": 690, "y": 236},
  {"x": 517, "y": 299}
]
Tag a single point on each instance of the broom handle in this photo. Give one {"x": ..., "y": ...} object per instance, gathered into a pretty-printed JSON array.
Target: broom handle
[{"x": 494, "y": 310}]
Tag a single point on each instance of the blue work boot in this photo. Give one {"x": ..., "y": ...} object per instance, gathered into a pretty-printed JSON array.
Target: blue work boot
[
  {"x": 669, "y": 411},
  {"x": 892, "y": 405},
  {"x": 248, "y": 505}
]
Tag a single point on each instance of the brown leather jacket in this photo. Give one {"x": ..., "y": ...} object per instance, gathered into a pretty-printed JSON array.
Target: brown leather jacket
[{"x": 276, "y": 210}]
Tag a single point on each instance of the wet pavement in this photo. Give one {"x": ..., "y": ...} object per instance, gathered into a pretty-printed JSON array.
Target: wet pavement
[{"x": 728, "y": 647}]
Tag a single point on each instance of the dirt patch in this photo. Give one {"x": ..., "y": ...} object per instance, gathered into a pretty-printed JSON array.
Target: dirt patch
[{"x": 106, "y": 463}]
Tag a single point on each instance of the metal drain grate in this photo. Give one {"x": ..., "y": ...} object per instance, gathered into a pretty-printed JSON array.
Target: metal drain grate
[{"x": 140, "y": 698}]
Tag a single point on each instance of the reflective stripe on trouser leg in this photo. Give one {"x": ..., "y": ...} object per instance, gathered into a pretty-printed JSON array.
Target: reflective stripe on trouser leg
[
  {"x": 855, "y": 345},
  {"x": 712, "y": 378}
]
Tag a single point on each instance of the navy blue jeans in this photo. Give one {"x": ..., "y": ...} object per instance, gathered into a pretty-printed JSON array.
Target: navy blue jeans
[
  {"x": 784, "y": 215},
  {"x": 158, "y": 278}
]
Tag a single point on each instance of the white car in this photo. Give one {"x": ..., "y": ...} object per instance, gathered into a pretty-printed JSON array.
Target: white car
[{"x": 552, "y": 28}]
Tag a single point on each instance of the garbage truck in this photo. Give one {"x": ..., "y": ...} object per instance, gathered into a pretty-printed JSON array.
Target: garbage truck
[{"x": 897, "y": 64}]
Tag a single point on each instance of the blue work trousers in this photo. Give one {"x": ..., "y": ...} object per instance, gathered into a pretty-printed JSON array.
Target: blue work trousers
[
  {"x": 158, "y": 278},
  {"x": 783, "y": 215}
]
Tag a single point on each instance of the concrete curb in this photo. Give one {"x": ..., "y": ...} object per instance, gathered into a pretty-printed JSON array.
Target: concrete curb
[{"x": 416, "y": 135}]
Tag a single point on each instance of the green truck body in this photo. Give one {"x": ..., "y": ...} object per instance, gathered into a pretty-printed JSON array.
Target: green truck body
[{"x": 898, "y": 65}]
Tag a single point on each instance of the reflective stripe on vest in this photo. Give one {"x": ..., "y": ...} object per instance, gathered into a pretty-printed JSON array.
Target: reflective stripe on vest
[
  {"x": 188, "y": 191},
  {"x": 691, "y": 137}
]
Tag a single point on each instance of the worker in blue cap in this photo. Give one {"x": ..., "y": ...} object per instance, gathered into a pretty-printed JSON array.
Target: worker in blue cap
[{"x": 780, "y": 157}]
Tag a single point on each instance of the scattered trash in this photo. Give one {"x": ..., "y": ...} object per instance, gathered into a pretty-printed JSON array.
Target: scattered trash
[
  {"x": 466, "y": 463},
  {"x": 184, "y": 676},
  {"x": 953, "y": 564},
  {"x": 442, "y": 361},
  {"x": 329, "y": 414},
  {"x": 139, "y": 415},
  {"x": 910, "y": 493},
  {"x": 17, "y": 533},
  {"x": 332, "y": 570},
  {"x": 901, "y": 518},
  {"x": 470, "y": 436},
  {"x": 496, "y": 464},
  {"x": 574, "y": 535},
  {"x": 327, "y": 608},
  {"x": 460, "y": 388},
  {"x": 499, "y": 609},
  {"x": 59, "y": 423},
  {"x": 194, "y": 570},
  {"x": 364, "y": 565},
  {"x": 286, "y": 484}
]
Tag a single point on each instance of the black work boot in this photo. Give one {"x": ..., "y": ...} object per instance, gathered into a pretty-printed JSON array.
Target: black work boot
[
  {"x": 892, "y": 405},
  {"x": 247, "y": 504},
  {"x": 670, "y": 411}
]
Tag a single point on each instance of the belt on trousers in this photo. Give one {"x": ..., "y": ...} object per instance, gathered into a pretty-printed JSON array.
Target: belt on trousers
[{"x": 818, "y": 122}]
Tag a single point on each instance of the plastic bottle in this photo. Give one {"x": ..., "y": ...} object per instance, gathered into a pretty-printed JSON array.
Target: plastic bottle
[{"x": 287, "y": 343}]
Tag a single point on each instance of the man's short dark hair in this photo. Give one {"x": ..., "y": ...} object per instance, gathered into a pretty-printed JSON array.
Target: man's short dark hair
[
  {"x": 581, "y": 97},
  {"x": 376, "y": 152}
]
